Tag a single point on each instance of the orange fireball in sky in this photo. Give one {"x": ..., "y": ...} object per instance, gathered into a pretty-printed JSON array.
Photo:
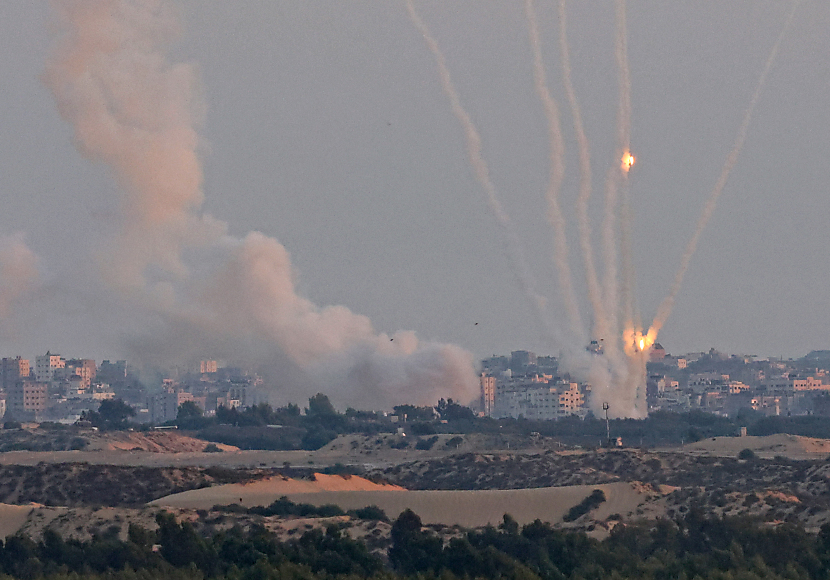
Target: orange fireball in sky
[{"x": 627, "y": 161}]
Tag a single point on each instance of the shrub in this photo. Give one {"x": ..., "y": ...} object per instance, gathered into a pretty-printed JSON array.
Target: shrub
[
  {"x": 591, "y": 502},
  {"x": 426, "y": 444},
  {"x": 747, "y": 454},
  {"x": 370, "y": 512},
  {"x": 212, "y": 448}
]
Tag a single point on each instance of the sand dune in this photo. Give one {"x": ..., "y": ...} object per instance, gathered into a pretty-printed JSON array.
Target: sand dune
[
  {"x": 265, "y": 491},
  {"x": 465, "y": 508},
  {"x": 792, "y": 446},
  {"x": 12, "y": 518}
]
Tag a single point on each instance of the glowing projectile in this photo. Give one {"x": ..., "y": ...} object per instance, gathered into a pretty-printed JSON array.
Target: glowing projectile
[{"x": 627, "y": 161}]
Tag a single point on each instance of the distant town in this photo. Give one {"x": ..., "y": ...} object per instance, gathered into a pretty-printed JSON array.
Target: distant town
[
  {"x": 520, "y": 385},
  {"x": 530, "y": 386}
]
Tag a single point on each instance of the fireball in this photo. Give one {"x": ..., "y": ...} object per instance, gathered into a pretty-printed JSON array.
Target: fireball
[{"x": 627, "y": 161}]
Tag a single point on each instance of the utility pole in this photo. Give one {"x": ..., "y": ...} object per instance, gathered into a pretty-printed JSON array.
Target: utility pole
[{"x": 607, "y": 425}]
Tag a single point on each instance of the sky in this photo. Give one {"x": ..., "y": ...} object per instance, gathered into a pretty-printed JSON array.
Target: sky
[{"x": 326, "y": 128}]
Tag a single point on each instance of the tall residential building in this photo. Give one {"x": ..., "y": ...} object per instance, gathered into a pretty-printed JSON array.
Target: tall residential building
[
  {"x": 84, "y": 368},
  {"x": 12, "y": 370},
  {"x": 207, "y": 366},
  {"x": 488, "y": 394},
  {"x": 45, "y": 366},
  {"x": 27, "y": 397}
]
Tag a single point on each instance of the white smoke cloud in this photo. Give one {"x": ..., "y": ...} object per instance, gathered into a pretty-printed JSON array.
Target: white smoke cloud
[
  {"x": 210, "y": 295},
  {"x": 18, "y": 273}
]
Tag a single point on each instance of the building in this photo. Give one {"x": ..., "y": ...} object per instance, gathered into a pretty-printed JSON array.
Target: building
[
  {"x": 12, "y": 370},
  {"x": 164, "y": 406},
  {"x": 520, "y": 360},
  {"x": 207, "y": 366},
  {"x": 84, "y": 368},
  {"x": 46, "y": 365},
  {"x": 112, "y": 372},
  {"x": 571, "y": 400},
  {"x": 495, "y": 364},
  {"x": 539, "y": 398},
  {"x": 657, "y": 353},
  {"x": 488, "y": 394},
  {"x": 27, "y": 398}
]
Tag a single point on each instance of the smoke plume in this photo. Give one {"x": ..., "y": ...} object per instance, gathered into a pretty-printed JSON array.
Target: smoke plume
[
  {"x": 18, "y": 273},
  {"x": 223, "y": 298}
]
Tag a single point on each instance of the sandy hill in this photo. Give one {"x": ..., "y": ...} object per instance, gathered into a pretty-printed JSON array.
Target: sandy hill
[
  {"x": 265, "y": 491},
  {"x": 790, "y": 446}
]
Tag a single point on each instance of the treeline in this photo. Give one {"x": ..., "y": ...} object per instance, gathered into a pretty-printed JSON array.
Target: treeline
[
  {"x": 285, "y": 507},
  {"x": 692, "y": 547},
  {"x": 289, "y": 427}
]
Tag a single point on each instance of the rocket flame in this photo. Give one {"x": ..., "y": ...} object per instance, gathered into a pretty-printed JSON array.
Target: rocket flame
[
  {"x": 627, "y": 161},
  {"x": 642, "y": 344}
]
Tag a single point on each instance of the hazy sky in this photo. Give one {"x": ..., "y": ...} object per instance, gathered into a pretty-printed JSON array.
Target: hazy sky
[{"x": 326, "y": 128}]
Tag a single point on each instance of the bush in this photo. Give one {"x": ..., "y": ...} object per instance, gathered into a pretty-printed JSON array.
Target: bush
[
  {"x": 370, "y": 512},
  {"x": 212, "y": 448},
  {"x": 426, "y": 444},
  {"x": 588, "y": 504},
  {"x": 747, "y": 454},
  {"x": 454, "y": 442}
]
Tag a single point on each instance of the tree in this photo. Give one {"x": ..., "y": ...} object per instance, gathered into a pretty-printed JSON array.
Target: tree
[
  {"x": 320, "y": 406},
  {"x": 452, "y": 411},
  {"x": 188, "y": 410},
  {"x": 112, "y": 414},
  {"x": 413, "y": 550}
]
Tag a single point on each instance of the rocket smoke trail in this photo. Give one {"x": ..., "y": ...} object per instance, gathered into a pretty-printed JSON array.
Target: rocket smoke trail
[
  {"x": 666, "y": 306},
  {"x": 482, "y": 174},
  {"x": 225, "y": 298},
  {"x": 624, "y": 140},
  {"x": 557, "y": 171},
  {"x": 609, "y": 245},
  {"x": 594, "y": 293}
]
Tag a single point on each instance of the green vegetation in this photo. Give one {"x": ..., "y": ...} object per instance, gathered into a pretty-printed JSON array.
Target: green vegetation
[
  {"x": 112, "y": 414},
  {"x": 747, "y": 454},
  {"x": 687, "y": 548},
  {"x": 426, "y": 444},
  {"x": 590, "y": 503},
  {"x": 285, "y": 507}
]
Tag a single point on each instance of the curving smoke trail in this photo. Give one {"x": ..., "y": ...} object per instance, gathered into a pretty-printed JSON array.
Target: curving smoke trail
[
  {"x": 557, "y": 172},
  {"x": 600, "y": 330},
  {"x": 482, "y": 174},
  {"x": 224, "y": 298},
  {"x": 665, "y": 308},
  {"x": 624, "y": 143}
]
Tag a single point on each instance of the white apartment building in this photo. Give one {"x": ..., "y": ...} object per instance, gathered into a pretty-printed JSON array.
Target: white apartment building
[
  {"x": 540, "y": 401},
  {"x": 46, "y": 365}
]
